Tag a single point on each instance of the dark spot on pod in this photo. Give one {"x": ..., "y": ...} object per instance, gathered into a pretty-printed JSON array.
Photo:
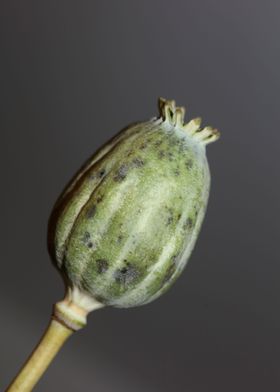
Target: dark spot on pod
[
  {"x": 87, "y": 241},
  {"x": 169, "y": 220},
  {"x": 121, "y": 174},
  {"x": 143, "y": 146},
  {"x": 99, "y": 199},
  {"x": 86, "y": 237},
  {"x": 120, "y": 237},
  {"x": 138, "y": 162},
  {"x": 102, "y": 265},
  {"x": 161, "y": 154},
  {"x": 189, "y": 164},
  {"x": 101, "y": 173},
  {"x": 179, "y": 216},
  {"x": 126, "y": 275},
  {"x": 188, "y": 223},
  {"x": 91, "y": 212},
  {"x": 197, "y": 208}
]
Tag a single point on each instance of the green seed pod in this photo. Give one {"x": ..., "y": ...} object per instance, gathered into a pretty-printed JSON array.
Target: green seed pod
[
  {"x": 122, "y": 231},
  {"x": 124, "y": 228}
]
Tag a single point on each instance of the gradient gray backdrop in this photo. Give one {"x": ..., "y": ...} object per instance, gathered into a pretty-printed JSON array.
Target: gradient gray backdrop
[{"x": 72, "y": 74}]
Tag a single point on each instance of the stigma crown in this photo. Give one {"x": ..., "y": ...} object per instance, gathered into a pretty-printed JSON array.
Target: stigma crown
[{"x": 175, "y": 116}]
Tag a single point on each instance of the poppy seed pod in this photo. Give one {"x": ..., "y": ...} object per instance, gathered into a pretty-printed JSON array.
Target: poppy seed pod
[{"x": 123, "y": 230}]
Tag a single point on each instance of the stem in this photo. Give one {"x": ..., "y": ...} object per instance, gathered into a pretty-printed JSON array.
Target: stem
[
  {"x": 69, "y": 315},
  {"x": 49, "y": 345}
]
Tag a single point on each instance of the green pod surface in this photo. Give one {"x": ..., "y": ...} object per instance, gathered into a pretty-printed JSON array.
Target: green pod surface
[{"x": 124, "y": 228}]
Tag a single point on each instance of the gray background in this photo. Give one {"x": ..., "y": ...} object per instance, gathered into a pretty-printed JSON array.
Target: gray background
[{"x": 73, "y": 74}]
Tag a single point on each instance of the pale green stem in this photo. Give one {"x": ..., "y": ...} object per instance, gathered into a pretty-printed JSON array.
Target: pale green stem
[
  {"x": 49, "y": 345},
  {"x": 69, "y": 315}
]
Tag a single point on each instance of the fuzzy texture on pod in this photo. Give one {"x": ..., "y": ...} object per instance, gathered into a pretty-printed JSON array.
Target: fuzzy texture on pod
[{"x": 124, "y": 228}]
